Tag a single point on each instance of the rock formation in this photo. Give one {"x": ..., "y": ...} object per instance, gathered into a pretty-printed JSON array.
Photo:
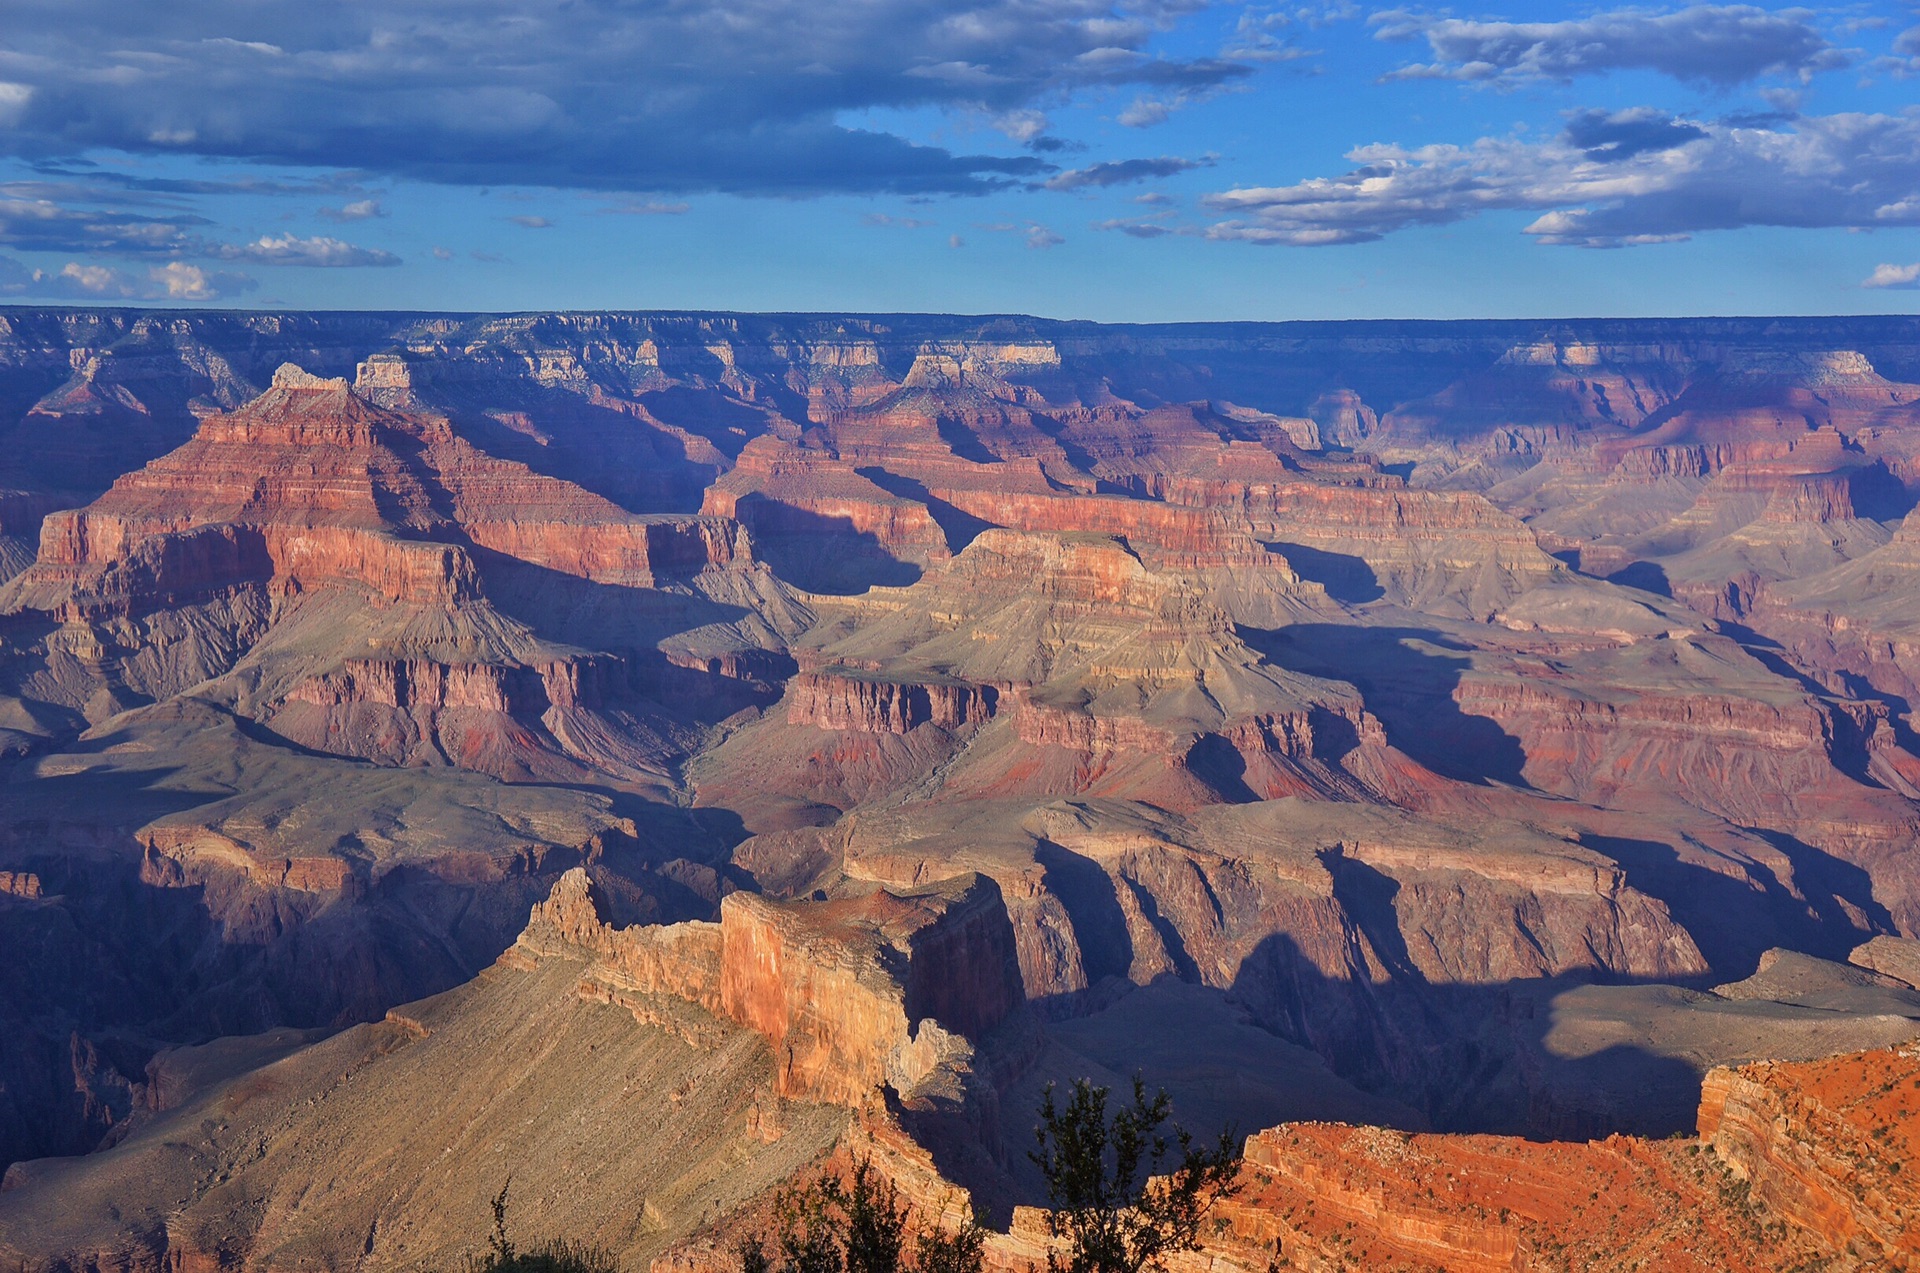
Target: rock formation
[{"x": 1474, "y": 729}]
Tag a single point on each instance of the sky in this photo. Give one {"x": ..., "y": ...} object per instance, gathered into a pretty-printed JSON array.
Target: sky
[{"x": 1117, "y": 160}]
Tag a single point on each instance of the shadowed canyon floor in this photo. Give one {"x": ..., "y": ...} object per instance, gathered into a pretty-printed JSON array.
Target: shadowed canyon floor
[{"x": 658, "y": 754}]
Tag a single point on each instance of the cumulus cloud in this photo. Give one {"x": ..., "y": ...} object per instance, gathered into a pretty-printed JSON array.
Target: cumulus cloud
[
  {"x": 1023, "y": 126},
  {"x": 1121, "y": 171},
  {"x": 182, "y": 282},
  {"x": 1901, "y": 276},
  {"x": 748, "y": 97},
  {"x": 291, "y": 249},
  {"x": 530, "y": 222},
  {"x": 1905, "y": 61},
  {"x": 1704, "y": 43},
  {"x": 174, "y": 281},
  {"x": 1633, "y": 177},
  {"x": 1145, "y": 112}
]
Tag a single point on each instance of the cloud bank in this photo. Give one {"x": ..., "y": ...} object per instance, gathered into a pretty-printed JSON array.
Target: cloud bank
[
  {"x": 748, "y": 98},
  {"x": 31, "y": 221},
  {"x": 173, "y": 282},
  {"x": 1609, "y": 180},
  {"x": 1707, "y": 43}
]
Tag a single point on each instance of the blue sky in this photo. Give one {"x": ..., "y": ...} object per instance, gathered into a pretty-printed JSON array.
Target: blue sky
[{"x": 1155, "y": 160}]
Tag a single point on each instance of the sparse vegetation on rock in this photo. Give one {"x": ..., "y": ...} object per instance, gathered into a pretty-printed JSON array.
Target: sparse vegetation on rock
[
  {"x": 550, "y": 1255},
  {"x": 860, "y": 1225},
  {"x": 1115, "y": 1214}
]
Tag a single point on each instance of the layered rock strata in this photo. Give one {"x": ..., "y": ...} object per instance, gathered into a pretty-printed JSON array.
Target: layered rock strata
[{"x": 852, "y": 996}]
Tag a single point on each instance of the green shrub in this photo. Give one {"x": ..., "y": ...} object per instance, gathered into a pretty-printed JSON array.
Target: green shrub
[
  {"x": 553, "y": 1255},
  {"x": 859, "y": 1226},
  {"x": 1100, "y": 1171}
]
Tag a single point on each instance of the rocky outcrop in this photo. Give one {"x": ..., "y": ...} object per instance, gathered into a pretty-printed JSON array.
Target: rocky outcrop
[
  {"x": 1826, "y": 1145},
  {"x": 1481, "y": 1204},
  {"x": 844, "y": 700},
  {"x": 1896, "y": 957},
  {"x": 1780, "y": 1178},
  {"x": 852, "y": 996},
  {"x": 626, "y": 1134}
]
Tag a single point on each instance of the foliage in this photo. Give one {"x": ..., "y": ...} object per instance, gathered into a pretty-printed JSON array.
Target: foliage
[
  {"x": 554, "y": 1255},
  {"x": 1100, "y": 1170},
  {"x": 858, "y": 1226},
  {"x": 961, "y": 1250}
]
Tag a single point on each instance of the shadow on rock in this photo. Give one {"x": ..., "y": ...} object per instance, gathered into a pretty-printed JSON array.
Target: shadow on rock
[
  {"x": 1407, "y": 677},
  {"x": 820, "y": 553},
  {"x": 1471, "y": 1058},
  {"x": 1345, "y": 577}
]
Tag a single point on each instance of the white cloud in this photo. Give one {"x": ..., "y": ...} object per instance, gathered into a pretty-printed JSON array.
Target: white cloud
[
  {"x": 1021, "y": 125},
  {"x": 96, "y": 280},
  {"x": 291, "y": 249},
  {"x": 40, "y": 224},
  {"x": 183, "y": 282},
  {"x": 1145, "y": 112},
  {"x": 1905, "y": 63},
  {"x": 1704, "y": 43},
  {"x": 174, "y": 281},
  {"x": 1629, "y": 178},
  {"x": 358, "y": 210},
  {"x": 13, "y": 103},
  {"x": 1258, "y": 37},
  {"x": 1901, "y": 276}
]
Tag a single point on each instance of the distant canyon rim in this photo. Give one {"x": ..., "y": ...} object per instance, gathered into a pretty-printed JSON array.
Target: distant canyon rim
[{"x": 658, "y": 756}]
